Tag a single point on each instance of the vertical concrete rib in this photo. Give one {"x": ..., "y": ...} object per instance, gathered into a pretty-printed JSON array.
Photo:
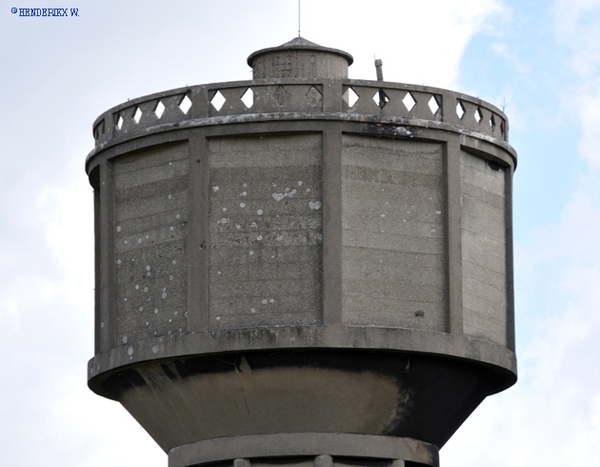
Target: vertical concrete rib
[
  {"x": 510, "y": 292},
  {"x": 107, "y": 256},
  {"x": 197, "y": 241},
  {"x": 332, "y": 226},
  {"x": 453, "y": 237}
]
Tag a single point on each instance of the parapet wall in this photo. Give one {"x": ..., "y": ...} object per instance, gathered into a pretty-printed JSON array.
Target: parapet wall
[{"x": 354, "y": 100}]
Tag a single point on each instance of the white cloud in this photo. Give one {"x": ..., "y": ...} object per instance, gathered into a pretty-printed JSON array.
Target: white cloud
[
  {"x": 577, "y": 25},
  {"x": 419, "y": 42},
  {"x": 551, "y": 417}
]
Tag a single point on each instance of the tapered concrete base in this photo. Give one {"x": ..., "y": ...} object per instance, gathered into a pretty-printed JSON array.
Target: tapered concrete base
[
  {"x": 306, "y": 450},
  {"x": 381, "y": 395}
]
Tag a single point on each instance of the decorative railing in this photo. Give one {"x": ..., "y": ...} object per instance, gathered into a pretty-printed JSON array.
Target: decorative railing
[{"x": 353, "y": 97}]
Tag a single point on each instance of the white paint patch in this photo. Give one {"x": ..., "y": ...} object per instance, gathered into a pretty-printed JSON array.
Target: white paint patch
[
  {"x": 314, "y": 205},
  {"x": 288, "y": 193}
]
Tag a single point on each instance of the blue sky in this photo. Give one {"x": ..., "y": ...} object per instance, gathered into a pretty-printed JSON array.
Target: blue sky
[{"x": 540, "y": 59}]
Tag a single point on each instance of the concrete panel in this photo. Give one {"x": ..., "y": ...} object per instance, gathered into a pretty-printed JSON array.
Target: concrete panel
[
  {"x": 483, "y": 249},
  {"x": 150, "y": 232},
  {"x": 393, "y": 247},
  {"x": 265, "y": 230}
]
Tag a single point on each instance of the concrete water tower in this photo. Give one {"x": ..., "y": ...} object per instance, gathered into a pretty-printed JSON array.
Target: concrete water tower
[{"x": 302, "y": 268}]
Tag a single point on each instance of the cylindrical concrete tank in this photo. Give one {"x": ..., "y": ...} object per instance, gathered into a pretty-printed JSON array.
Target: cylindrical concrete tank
[{"x": 302, "y": 267}]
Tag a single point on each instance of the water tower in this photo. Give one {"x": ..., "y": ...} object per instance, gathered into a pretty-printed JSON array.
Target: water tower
[{"x": 302, "y": 268}]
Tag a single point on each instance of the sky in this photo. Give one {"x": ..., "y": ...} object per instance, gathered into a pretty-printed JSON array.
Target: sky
[{"x": 539, "y": 60}]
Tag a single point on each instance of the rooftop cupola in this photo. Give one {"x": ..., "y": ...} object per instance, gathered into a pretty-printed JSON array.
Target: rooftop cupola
[{"x": 300, "y": 58}]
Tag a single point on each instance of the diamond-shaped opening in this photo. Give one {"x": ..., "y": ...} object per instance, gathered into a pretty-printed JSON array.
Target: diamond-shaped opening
[
  {"x": 492, "y": 122},
  {"x": 137, "y": 115},
  {"x": 433, "y": 104},
  {"x": 478, "y": 115},
  {"x": 218, "y": 100},
  {"x": 248, "y": 98},
  {"x": 350, "y": 97},
  {"x": 120, "y": 122},
  {"x": 313, "y": 96},
  {"x": 159, "y": 110},
  {"x": 460, "y": 110},
  {"x": 381, "y": 98},
  {"x": 185, "y": 104},
  {"x": 409, "y": 101},
  {"x": 281, "y": 95}
]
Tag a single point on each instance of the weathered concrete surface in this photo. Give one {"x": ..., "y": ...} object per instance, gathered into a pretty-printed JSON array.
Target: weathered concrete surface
[
  {"x": 298, "y": 264},
  {"x": 393, "y": 234},
  {"x": 265, "y": 230},
  {"x": 190, "y": 399},
  {"x": 375, "y": 451},
  {"x": 299, "y": 58},
  {"x": 484, "y": 248},
  {"x": 151, "y": 207}
]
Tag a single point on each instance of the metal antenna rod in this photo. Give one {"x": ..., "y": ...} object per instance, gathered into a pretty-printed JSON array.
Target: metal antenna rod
[{"x": 299, "y": 18}]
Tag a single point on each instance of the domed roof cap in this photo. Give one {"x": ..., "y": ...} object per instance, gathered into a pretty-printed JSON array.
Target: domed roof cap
[
  {"x": 300, "y": 43},
  {"x": 300, "y": 58}
]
